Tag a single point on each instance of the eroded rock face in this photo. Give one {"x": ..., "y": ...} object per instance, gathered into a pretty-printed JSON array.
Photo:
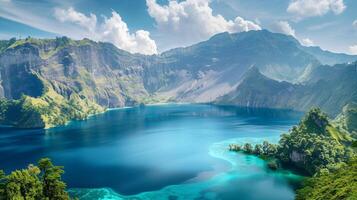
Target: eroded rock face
[
  {"x": 297, "y": 157},
  {"x": 16, "y": 69},
  {"x": 200, "y": 73}
]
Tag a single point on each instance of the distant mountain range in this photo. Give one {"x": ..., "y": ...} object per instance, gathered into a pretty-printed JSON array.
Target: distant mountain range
[{"x": 62, "y": 79}]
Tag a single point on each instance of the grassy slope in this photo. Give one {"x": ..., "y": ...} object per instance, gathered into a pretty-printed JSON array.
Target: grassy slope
[
  {"x": 57, "y": 110},
  {"x": 49, "y": 110}
]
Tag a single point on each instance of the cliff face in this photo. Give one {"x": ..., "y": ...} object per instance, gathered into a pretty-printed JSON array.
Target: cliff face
[
  {"x": 112, "y": 77},
  {"x": 100, "y": 75}
]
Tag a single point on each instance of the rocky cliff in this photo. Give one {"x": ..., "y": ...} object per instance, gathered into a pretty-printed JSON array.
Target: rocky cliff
[{"x": 62, "y": 73}]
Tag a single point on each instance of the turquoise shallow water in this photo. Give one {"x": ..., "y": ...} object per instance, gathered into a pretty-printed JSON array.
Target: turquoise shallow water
[{"x": 160, "y": 152}]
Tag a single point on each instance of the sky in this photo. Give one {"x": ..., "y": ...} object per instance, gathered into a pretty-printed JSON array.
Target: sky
[{"x": 153, "y": 26}]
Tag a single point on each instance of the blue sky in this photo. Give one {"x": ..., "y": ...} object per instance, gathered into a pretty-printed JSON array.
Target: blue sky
[{"x": 149, "y": 26}]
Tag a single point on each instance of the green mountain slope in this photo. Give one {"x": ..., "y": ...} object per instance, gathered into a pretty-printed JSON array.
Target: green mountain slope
[
  {"x": 340, "y": 184},
  {"x": 347, "y": 120},
  {"x": 315, "y": 144},
  {"x": 329, "y": 88}
]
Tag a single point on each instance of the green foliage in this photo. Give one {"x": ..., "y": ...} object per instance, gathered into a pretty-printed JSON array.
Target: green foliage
[
  {"x": 340, "y": 184},
  {"x": 17, "y": 113},
  {"x": 34, "y": 183},
  {"x": 314, "y": 122},
  {"x": 258, "y": 149},
  {"x": 263, "y": 150},
  {"x": 248, "y": 148},
  {"x": 2, "y": 184},
  {"x": 319, "y": 148},
  {"x": 347, "y": 120},
  {"x": 313, "y": 145},
  {"x": 53, "y": 186},
  {"x": 354, "y": 144},
  {"x": 51, "y": 109},
  {"x": 24, "y": 184},
  {"x": 235, "y": 147},
  {"x": 269, "y": 149}
]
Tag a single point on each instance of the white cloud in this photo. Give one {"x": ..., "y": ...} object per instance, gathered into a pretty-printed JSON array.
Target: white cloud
[
  {"x": 283, "y": 27},
  {"x": 113, "y": 30},
  {"x": 353, "y": 49},
  {"x": 190, "y": 21},
  {"x": 310, "y": 8},
  {"x": 73, "y": 16},
  {"x": 307, "y": 42},
  {"x": 354, "y": 24}
]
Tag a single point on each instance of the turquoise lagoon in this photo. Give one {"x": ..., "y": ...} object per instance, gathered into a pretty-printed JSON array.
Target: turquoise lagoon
[{"x": 173, "y": 151}]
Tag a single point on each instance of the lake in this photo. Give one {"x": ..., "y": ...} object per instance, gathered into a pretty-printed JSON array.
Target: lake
[{"x": 173, "y": 151}]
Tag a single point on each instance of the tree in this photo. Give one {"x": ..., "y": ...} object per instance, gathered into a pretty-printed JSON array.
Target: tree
[
  {"x": 265, "y": 147},
  {"x": 53, "y": 186},
  {"x": 340, "y": 184},
  {"x": 258, "y": 149},
  {"x": 234, "y": 147},
  {"x": 24, "y": 184},
  {"x": 2, "y": 184},
  {"x": 34, "y": 183},
  {"x": 248, "y": 148}
]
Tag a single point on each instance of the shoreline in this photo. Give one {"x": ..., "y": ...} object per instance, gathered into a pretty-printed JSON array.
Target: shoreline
[
  {"x": 194, "y": 186},
  {"x": 149, "y": 104}
]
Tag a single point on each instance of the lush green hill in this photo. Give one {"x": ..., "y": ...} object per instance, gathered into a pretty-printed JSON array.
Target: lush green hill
[
  {"x": 315, "y": 144},
  {"x": 48, "y": 110},
  {"x": 319, "y": 148}
]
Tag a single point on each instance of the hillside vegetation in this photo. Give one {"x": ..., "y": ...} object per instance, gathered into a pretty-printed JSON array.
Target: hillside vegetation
[
  {"x": 42, "y": 182},
  {"x": 321, "y": 149},
  {"x": 338, "y": 184},
  {"x": 48, "y": 110}
]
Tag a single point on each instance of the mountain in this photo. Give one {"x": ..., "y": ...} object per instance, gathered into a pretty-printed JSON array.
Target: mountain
[
  {"x": 329, "y": 58},
  {"x": 327, "y": 87},
  {"x": 62, "y": 79},
  {"x": 347, "y": 119},
  {"x": 212, "y": 68}
]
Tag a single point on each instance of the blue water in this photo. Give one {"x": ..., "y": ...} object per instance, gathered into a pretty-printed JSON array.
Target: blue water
[{"x": 159, "y": 152}]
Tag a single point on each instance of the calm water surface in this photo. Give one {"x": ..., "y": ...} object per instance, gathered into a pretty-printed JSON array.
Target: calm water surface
[{"x": 159, "y": 152}]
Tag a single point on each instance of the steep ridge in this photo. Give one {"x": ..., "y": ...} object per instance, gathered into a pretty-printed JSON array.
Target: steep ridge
[
  {"x": 329, "y": 88},
  {"x": 329, "y": 58}
]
